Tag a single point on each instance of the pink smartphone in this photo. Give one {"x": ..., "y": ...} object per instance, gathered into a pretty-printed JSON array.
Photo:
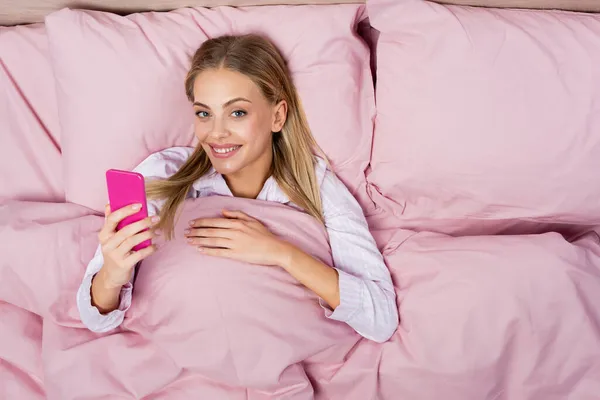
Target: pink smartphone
[{"x": 124, "y": 189}]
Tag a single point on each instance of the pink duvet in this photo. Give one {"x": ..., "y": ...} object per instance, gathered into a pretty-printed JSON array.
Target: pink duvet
[{"x": 505, "y": 317}]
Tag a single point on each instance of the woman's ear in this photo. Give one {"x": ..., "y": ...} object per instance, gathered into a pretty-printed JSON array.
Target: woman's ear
[{"x": 279, "y": 116}]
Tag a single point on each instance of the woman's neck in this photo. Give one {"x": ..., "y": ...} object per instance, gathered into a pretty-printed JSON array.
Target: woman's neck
[{"x": 249, "y": 181}]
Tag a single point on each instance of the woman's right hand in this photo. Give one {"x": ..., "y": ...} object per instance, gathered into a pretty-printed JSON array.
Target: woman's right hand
[{"x": 119, "y": 259}]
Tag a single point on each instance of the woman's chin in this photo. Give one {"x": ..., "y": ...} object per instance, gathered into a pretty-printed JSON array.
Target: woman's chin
[{"x": 225, "y": 167}]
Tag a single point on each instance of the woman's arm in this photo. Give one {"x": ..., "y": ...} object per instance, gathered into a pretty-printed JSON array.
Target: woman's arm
[
  {"x": 367, "y": 296},
  {"x": 312, "y": 273},
  {"x": 101, "y": 308},
  {"x": 100, "y": 319},
  {"x": 104, "y": 297},
  {"x": 359, "y": 289},
  {"x": 241, "y": 237}
]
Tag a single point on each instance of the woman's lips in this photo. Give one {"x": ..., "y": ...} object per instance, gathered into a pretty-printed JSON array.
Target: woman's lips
[{"x": 224, "y": 151}]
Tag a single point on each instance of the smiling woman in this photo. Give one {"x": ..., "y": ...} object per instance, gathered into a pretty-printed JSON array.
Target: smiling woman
[
  {"x": 253, "y": 142},
  {"x": 245, "y": 102},
  {"x": 238, "y": 121}
]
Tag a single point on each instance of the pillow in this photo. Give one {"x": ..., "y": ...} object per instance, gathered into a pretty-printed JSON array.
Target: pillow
[
  {"x": 486, "y": 118},
  {"x": 121, "y": 95},
  {"x": 30, "y": 160}
]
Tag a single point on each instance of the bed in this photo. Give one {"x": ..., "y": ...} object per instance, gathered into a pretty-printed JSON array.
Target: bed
[{"x": 470, "y": 138}]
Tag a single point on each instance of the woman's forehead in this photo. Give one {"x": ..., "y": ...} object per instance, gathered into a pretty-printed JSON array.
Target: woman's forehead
[{"x": 222, "y": 83}]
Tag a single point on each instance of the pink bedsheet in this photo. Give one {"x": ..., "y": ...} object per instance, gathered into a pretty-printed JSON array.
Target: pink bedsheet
[{"x": 496, "y": 317}]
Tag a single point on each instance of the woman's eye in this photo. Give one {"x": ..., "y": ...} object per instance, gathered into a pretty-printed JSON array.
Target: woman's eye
[
  {"x": 202, "y": 114},
  {"x": 238, "y": 113}
]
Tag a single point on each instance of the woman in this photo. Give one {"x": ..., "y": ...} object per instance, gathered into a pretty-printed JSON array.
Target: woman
[{"x": 254, "y": 142}]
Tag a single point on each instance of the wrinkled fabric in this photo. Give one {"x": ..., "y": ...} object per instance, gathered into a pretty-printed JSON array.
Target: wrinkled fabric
[{"x": 485, "y": 317}]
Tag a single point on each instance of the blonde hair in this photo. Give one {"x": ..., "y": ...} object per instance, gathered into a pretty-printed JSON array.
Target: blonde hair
[{"x": 294, "y": 148}]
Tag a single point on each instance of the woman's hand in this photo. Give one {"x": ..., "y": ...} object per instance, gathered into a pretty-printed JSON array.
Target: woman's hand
[
  {"x": 119, "y": 259},
  {"x": 239, "y": 237}
]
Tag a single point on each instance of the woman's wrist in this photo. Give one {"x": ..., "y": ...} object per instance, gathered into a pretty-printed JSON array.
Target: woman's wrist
[
  {"x": 312, "y": 273},
  {"x": 105, "y": 282},
  {"x": 284, "y": 254},
  {"x": 105, "y": 297}
]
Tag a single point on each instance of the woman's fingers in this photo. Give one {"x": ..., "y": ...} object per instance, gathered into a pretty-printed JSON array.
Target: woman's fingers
[
  {"x": 113, "y": 219},
  {"x": 128, "y": 232},
  {"x": 217, "y": 223},
  {"x": 129, "y": 243},
  {"x": 210, "y": 232},
  {"x": 234, "y": 221},
  {"x": 239, "y": 215},
  {"x": 105, "y": 234},
  {"x": 137, "y": 256},
  {"x": 136, "y": 227},
  {"x": 249, "y": 222}
]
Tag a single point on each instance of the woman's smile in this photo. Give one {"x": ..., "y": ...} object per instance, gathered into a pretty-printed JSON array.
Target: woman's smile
[{"x": 224, "y": 150}]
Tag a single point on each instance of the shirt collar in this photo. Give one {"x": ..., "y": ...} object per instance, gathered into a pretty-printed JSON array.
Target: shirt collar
[{"x": 213, "y": 183}]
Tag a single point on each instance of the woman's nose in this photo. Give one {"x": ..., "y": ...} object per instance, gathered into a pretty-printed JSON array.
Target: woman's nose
[{"x": 219, "y": 130}]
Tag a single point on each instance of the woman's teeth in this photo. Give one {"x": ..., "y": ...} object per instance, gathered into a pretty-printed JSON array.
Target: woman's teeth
[{"x": 227, "y": 150}]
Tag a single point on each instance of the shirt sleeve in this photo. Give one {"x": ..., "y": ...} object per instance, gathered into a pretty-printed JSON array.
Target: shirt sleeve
[
  {"x": 159, "y": 165},
  {"x": 367, "y": 296}
]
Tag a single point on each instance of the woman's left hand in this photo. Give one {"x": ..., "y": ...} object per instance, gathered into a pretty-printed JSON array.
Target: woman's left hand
[{"x": 237, "y": 236}]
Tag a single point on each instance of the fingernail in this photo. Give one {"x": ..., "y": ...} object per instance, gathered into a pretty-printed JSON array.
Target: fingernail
[
  {"x": 192, "y": 222},
  {"x": 155, "y": 219},
  {"x": 190, "y": 239},
  {"x": 187, "y": 231},
  {"x": 136, "y": 206},
  {"x": 157, "y": 232},
  {"x": 200, "y": 249}
]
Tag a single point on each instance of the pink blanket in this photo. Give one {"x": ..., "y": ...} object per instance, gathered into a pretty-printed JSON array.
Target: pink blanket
[{"x": 504, "y": 317}]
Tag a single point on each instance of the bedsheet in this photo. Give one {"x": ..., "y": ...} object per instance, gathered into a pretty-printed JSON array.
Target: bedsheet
[{"x": 482, "y": 317}]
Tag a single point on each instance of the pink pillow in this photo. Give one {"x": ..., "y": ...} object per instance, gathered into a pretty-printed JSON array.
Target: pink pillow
[
  {"x": 486, "y": 118},
  {"x": 121, "y": 95},
  {"x": 30, "y": 159}
]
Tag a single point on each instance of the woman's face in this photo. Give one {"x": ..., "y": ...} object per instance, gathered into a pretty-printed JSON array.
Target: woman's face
[{"x": 234, "y": 121}]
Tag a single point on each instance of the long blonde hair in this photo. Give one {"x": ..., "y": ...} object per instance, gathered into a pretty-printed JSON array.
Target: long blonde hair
[{"x": 294, "y": 148}]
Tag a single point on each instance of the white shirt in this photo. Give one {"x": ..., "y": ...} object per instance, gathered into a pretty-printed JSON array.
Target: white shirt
[{"x": 367, "y": 297}]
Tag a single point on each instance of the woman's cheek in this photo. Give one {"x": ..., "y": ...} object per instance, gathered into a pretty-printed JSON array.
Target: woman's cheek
[
  {"x": 244, "y": 129},
  {"x": 259, "y": 128},
  {"x": 200, "y": 130}
]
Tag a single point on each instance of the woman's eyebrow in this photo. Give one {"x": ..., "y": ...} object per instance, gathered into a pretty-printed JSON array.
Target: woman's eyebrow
[
  {"x": 228, "y": 103},
  {"x": 197, "y": 103}
]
